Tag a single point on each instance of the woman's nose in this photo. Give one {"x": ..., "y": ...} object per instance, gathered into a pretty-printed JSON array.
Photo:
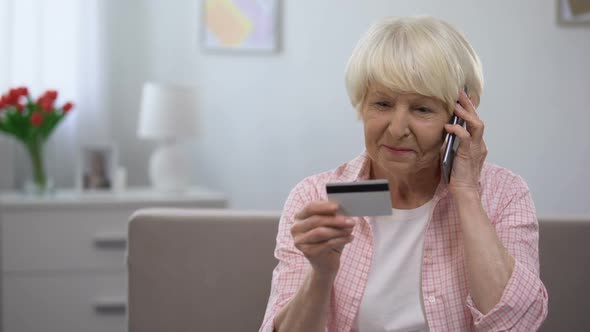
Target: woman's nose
[{"x": 398, "y": 124}]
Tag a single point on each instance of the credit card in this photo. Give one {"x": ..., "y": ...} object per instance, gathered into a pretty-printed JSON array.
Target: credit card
[{"x": 368, "y": 198}]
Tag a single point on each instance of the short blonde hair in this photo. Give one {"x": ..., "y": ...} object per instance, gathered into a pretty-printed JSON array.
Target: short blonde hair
[{"x": 418, "y": 54}]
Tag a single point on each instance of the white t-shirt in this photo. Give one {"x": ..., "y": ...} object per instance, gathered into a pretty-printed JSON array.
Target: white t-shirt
[{"x": 392, "y": 299}]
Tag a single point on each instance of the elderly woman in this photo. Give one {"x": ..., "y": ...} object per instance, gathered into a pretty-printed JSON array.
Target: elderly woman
[{"x": 456, "y": 257}]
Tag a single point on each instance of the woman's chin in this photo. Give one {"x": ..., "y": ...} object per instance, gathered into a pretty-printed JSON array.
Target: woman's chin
[{"x": 396, "y": 166}]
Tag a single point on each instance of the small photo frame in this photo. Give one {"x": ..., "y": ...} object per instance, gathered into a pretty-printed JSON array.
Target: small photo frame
[
  {"x": 240, "y": 25},
  {"x": 97, "y": 165},
  {"x": 573, "y": 12}
]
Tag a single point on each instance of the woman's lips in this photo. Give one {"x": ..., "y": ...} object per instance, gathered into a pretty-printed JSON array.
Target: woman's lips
[{"x": 398, "y": 150}]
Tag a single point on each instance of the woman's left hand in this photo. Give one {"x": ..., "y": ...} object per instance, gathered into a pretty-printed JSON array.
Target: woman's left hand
[{"x": 472, "y": 150}]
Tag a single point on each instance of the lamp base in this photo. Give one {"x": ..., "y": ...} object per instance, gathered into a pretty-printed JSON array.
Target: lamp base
[{"x": 169, "y": 167}]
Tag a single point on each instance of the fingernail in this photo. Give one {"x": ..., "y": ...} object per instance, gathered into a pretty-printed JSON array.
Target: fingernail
[{"x": 349, "y": 222}]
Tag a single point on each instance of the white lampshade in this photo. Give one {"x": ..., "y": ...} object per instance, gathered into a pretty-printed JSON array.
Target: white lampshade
[{"x": 167, "y": 112}]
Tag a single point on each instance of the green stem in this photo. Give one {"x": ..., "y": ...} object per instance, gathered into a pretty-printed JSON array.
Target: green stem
[{"x": 35, "y": 148}]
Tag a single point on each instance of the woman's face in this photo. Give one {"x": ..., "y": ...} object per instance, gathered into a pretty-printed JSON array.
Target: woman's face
[{"x": 403, "y": 132}]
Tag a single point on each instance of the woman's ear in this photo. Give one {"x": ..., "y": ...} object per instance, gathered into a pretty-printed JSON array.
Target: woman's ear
[{"x": 474, "y": 100}]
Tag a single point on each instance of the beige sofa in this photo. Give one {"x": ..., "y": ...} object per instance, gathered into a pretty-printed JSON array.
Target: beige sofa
[
  {"x": 199, "y": 270},
  {"x": 564, "y": 251},
  {"x": 210, "y": 270}
]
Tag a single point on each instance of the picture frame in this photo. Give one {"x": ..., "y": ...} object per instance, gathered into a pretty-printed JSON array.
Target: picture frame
[
  {"x": 240, "y": 26},
  {"x": 573, "y": 12},
  {"x": 97, "y": 166}
]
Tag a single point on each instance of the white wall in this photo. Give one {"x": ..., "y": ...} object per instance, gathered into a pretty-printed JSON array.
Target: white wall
[{"x": 269, "y": 121}]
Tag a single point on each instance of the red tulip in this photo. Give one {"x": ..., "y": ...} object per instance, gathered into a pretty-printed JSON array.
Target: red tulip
[
  {"x": 67, "y": 107},
  {"x": 46, "y": 104},
  {"x": 23, "y": 91},
  {"x": 51, "y": 94},
  {"x": 12, "y": 97},
  {"x": 18, "y": 94},
  {"x": 36, "y": 119}
]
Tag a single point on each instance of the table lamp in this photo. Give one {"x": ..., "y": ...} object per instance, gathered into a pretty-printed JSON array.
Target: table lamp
[{"x": 168, "y": 115}]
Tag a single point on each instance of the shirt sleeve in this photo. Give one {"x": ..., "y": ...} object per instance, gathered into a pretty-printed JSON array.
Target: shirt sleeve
[
  {"x": 523, "y": 305},
  {"x": 290, "y": 272}
]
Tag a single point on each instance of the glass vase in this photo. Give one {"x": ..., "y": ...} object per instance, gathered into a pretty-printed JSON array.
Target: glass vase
[{"x": 39, "y": 184}]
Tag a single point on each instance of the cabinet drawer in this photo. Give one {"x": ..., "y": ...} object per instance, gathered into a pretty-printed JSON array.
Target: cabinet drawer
[
  {"x": 72, "y": 237},
  {"x": 64, "y": 239},
  {"x": 90, "y": 303}
]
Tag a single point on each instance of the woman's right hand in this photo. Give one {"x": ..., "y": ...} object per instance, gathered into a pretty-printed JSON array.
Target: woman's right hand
[{"x": 321, "y": 235}]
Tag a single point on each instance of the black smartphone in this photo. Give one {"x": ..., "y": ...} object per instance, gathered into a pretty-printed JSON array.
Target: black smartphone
[{"x": 451, "y": 145}]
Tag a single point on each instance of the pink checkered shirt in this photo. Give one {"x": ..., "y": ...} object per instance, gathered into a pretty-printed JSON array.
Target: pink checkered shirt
[{"x": 448, "y": 305}]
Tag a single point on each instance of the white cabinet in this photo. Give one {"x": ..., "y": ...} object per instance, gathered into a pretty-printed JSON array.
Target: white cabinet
[
  {"x": 63, "y": 256},
  {"x": 65, "y": 302}
]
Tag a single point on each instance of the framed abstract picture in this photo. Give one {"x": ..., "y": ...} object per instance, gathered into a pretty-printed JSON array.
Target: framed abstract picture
[
  {"x": 240, "y": 25},
  {"x": 573, "y": 12}
]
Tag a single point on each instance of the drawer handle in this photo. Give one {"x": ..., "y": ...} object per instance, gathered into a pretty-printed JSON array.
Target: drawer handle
[
  {"x": 110, "y": 240},
  {"x": 108, "y": 305}
]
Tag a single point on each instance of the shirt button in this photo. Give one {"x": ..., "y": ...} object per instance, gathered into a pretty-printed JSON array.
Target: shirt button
[{"x": 431, "y": 299}]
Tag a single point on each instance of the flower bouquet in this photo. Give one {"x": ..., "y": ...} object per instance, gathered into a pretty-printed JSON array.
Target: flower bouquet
[{"x": 32, "y": 122}]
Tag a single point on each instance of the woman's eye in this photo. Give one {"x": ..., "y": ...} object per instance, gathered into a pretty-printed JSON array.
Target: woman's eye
[
  {"x": 423, "y": 110},
  {"x": 383, "y": 104}
]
